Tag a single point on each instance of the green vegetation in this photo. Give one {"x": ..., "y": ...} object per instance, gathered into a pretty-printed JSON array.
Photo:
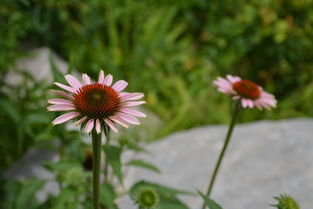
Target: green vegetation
[{"x": 170, "y": 50}]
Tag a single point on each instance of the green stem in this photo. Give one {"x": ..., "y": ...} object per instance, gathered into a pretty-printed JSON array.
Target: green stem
[
  {"x": 226, "y": 142},
  {"x": 96, "y": 149}
]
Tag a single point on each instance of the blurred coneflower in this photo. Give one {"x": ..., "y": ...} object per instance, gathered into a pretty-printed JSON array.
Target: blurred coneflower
[
  {"x": 250, "y": 94},
  {"x": 247, "y": 94}
]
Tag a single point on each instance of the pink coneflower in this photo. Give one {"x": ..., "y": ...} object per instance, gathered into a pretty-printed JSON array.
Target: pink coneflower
[
  {"x": 250, "y": 94},
  {"x": 96, "y": 104}
]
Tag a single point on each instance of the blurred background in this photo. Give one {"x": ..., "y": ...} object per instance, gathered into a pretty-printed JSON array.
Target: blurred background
[{"x": 170, "y": 50}]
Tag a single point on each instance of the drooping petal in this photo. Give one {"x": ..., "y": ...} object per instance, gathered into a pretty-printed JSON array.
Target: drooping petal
[
  {"x": 128, "y": 118},
  {"x": 74, "y": 82},
  {"x": 119, "y": 120},
  {"x": 61, "y": 107},
  {"x": 89, "y": 126},
  {"x": 133, "y": 112},
  {"x": 108, "y": 80},
  {"x": 67, "y": 88},
  {"x": 111, "y": 125},
  {"x": 133, "y": 103},
  {"x": 60, "y": 101},
  {"x": 266, "y": 101},
  {"x": 247, "y": 103},
  {"x": 65, "y": 117},
  {"x": 130, "y": 96},
  {"x": 61, "y": 93},
  {"x": 98, "y": 126},
  {"x": 120, "y": 85},
  {"x": 101, "y": 77},
  {"x": 80, "y": 121},
  {"x": 86, "y": 79}
]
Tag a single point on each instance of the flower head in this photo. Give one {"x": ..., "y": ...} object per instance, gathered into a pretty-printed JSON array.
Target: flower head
[
  {"x": 146, "y": 197},
  {"x": 96, "y": 104},
  {"x": 250, "y": 94}
]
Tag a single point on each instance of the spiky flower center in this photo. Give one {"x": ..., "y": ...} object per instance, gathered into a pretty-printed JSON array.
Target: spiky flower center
[
  {"x": 147, "y": 198},
  {"x": 247, "y": 89},
  {"x": 96, "y": 101}
]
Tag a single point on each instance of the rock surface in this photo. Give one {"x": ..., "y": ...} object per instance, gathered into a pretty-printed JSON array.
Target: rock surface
[
  {"x": 38, "y": 64},
  {"x": 263, "y": 159}
]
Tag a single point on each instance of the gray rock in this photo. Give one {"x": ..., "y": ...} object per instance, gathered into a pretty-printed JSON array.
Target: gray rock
[
  {"x": 263, "y": 159},
  {"x": 37, "y": 63}
]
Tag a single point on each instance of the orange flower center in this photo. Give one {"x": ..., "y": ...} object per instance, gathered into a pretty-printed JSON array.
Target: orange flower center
[
  {"x": 247, "y": 89},
  {"x": 96, "y": 101}
]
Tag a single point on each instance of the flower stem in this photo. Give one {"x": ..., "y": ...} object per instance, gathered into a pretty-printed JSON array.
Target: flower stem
[
  {"x": 96, "y": 149},
  {"x": 226, "y": 142}
]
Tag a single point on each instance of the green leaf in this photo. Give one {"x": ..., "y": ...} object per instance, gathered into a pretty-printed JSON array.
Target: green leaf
[
  {"x": 57, "y": 75},
  {"x": 107, "y": 196},
  {"x": 10, "y": 109},
  {"x": 113, "y": 155},
  {"x": 65, "y": 199},
  {"x": 61, "y": 166},
  {"x": 167, "y": 191},
  {"x": 26, "y": 194},
  {"x": 209, "y": 202},
  {"x": 172, "y": 203},
  {"x": 143, "y": 164}
]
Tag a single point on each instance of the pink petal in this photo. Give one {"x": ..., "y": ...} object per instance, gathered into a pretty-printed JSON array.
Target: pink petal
[
  {"x": 233, "y": 79},
  {"x": 224, "y": 86},
  {"x": 120, "y": 85},
  {"x": 98, "y": 126},
  {"x": 133, "y": 103},
  {"x": 131, "y": 96},
  {"x": 244, "y": 103},
  {"x": 266, "y": 100},
  {"x": 67, "y": 88},
  {"x": 247, "y": 103},
  {"x": 62, "y": 94},
  {"x": 236, "y": 97},
  {"x": 119, "y": 121},
  {"x": 65, "y": 117},
  {"x": 133, "y": 112},
  {"x": 111, "y": 125},
  {"x": 86, "y": 79},
  {"x": 83, "y": 119},
  {"x": 60, "y": 101},
  {"x": 108, "y": 80},
  {"x": 61, "y": 107},
  {"x": 101, "y": 77},
  {"x": 89, "y": 125},
  {"x": 74, "y": 82},
  {"x": 128, "y": 118}
]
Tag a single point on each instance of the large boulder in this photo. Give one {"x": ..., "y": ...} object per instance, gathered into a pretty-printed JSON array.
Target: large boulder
[{"x": 263, "y": 159}]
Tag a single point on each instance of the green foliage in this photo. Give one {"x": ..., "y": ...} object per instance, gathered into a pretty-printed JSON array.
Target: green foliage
[
  {"x": 170, "y": 50},
  {"x": 108, "y": 195},
  {"x": 143, "y": 164},
  {"x": 18, "y": 194},
  {"x": 113, "y": 155},
  {"x": 209, "y": 202},
  {"x": 176, "y": 49}
]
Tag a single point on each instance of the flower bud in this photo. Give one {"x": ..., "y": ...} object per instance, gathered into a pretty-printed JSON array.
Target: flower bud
[
  {"x": 146, "y": 197},
  {"x": 286, "y": 202}
]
